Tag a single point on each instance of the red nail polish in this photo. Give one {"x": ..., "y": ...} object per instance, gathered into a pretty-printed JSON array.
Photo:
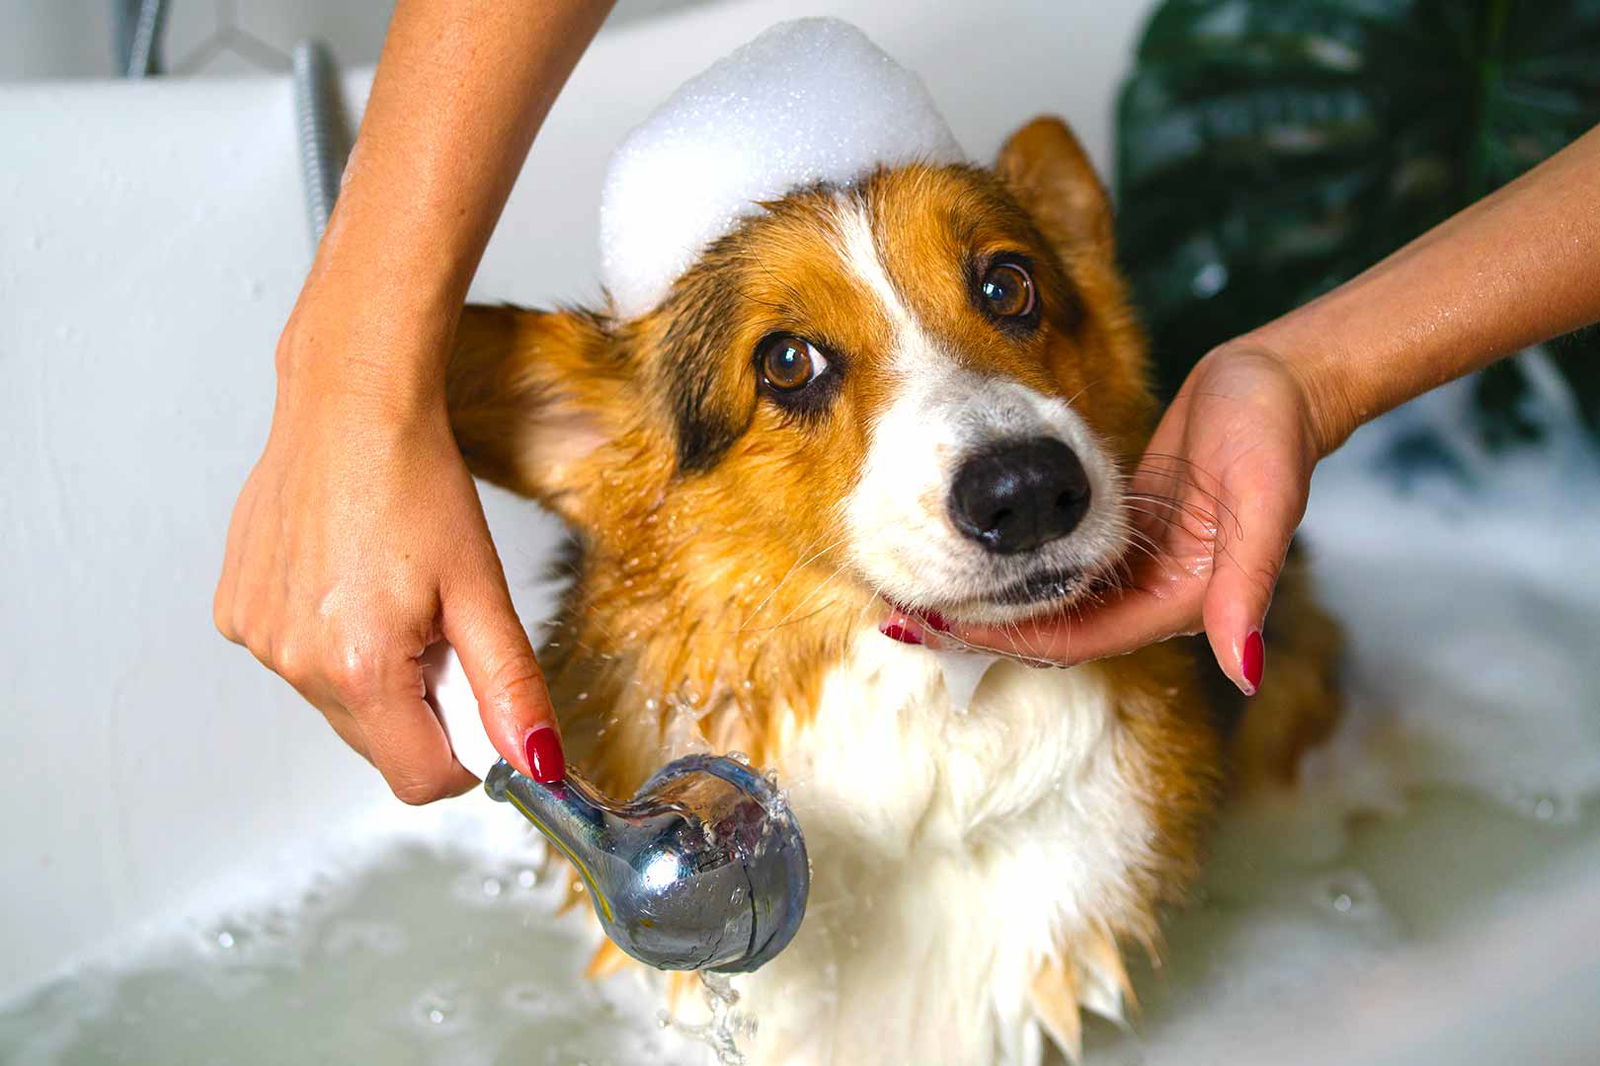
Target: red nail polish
[
  {"x": 896, "y": 631},
  {"x": 1252, "y": 659},
  {"x": 935, "y": 621},
  {"x": 545, "y": 757}
]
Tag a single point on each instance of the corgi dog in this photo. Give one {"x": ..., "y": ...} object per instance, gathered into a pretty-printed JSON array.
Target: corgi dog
[{"x": 923, "y": 391}]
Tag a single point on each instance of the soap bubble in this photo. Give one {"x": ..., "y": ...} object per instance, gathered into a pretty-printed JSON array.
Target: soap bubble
[
  {"x": 1348, "y": 894},
  {"x": 807, "y": 101},
  {"x": 1554, "y": 808},
  {"x": 436, "y": 1008}
]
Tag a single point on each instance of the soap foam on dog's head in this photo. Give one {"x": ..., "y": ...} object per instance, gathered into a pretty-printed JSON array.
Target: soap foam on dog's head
[{"x": 808, "y": 101}]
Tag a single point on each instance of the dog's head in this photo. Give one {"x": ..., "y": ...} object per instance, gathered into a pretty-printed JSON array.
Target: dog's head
[{"x": 928, "y": 381}]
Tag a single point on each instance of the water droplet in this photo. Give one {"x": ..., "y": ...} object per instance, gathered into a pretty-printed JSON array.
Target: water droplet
[
  {"x": 1542, "y": 806},
  {"x": 492, "y": 887},
  {"x": 527, "y": 878},
  {"x": 225, "y": 939},
  {"x": 1349, "y": 894},
  {"x": 435, "y": 1007},
  {"x": 582, "y": 696}
]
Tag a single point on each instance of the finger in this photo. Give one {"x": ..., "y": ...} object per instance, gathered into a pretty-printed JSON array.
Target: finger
[
  {"x": 402, "y": 735},
  {"x": 482, "y": 626},
  {"x": 314, "y": 692},
  {"x": 1245, "y": 571},
  {"x": 222, "y": 601},
  {"x": 349, "y": 730},
  {"x": 1134, "y": 619}
]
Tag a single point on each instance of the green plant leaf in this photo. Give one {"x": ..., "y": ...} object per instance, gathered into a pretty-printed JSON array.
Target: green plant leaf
[{"x": 1270, "y": 149}]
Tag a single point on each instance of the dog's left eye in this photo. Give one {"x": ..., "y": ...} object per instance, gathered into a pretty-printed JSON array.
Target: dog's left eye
[
  {"x": 789, "y": 363},
  {"x": 1007, "y": 291}
]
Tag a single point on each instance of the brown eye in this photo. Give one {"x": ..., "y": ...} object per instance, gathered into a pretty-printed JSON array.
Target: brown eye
[
  {"x": 1007, "y": 291},
  {"x": 789, "y": 363}
]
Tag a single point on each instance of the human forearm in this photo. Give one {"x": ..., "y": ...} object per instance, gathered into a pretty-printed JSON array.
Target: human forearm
[
  {"x": 1518, "y": 267},
  {"x": 359, "y": 540},
  {"x": 461, "y": 89}
]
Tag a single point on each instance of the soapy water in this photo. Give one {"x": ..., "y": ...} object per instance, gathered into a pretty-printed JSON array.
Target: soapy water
[
  {"x": 1459, "y": 797},
  {"x": 425, "y": 951},
  {"x": 415, "y": 958}
]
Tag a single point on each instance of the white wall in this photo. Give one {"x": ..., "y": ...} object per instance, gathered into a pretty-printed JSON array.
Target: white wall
[
  {"x": 152, "y": 245},
  {"x": 72, "y": 38}
]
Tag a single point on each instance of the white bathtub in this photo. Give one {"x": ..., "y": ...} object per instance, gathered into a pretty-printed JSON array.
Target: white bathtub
[{"x": 152, "y": 243}]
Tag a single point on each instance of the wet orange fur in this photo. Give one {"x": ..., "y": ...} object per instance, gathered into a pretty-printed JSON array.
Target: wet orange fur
[{"x": 704, "y": 601}]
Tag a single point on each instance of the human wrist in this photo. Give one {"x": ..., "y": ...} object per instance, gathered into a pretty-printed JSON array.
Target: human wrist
[
  {"x": 1333, "y": 405},
  {"x": 359, "y": 346}
]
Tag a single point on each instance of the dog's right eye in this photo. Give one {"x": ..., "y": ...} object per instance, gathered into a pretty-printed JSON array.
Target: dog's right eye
[{"x": 789, "y": 363}]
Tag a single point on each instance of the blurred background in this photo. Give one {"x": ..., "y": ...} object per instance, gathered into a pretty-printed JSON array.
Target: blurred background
[{"x": 194, "y": 869}]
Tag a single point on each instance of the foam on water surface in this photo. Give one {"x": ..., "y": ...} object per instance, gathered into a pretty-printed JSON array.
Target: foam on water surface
[
  {"x": 808, "y": 101},
  {"x": 437, "y": 945}
]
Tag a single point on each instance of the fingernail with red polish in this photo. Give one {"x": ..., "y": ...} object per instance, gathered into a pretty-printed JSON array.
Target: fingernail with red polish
[
  {"x": 545, "y": 757},
  {"x": 896, "y": 630},
  {"x": 1251, "y": 660}
]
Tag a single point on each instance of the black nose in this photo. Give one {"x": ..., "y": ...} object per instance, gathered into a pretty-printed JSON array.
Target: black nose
[{"x": 1019, "y": 495}]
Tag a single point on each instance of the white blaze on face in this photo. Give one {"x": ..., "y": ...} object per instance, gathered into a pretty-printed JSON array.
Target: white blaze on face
[{"x": 901, "y": 537}]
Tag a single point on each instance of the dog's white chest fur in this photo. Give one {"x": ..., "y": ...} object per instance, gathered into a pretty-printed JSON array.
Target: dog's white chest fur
[{"x": 952, "y": 851}]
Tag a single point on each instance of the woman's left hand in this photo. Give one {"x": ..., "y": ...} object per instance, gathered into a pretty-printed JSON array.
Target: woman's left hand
[{"x": 1214, "y": 502}]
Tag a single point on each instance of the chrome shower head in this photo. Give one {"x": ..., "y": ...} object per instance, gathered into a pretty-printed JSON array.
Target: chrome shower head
[{"x": 703, "y": 869}]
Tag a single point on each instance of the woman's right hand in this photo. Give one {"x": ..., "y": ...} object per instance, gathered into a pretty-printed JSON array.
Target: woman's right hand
[{"x": 359, "y": 540}]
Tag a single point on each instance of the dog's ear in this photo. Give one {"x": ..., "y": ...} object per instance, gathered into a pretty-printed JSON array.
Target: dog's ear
[
  {"x": 1049, "y": 172},
  {"x": 536, "y": 402}
]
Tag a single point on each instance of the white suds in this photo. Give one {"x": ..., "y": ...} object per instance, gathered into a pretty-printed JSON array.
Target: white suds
[
  {"x": 963, "y": 672},
  {"x": 807, "y": 101}
]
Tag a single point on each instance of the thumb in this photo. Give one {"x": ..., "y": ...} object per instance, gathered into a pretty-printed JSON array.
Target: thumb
[{"x": 505, "y": 677}]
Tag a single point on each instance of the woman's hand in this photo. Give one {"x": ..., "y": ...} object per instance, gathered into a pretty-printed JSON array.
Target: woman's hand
[
  {"x": 359, "y": 539},
  {"x": 357, "y": 542},
  {"x": 1224, "y": 482},
  {"x": 1214, "y": 504}
]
